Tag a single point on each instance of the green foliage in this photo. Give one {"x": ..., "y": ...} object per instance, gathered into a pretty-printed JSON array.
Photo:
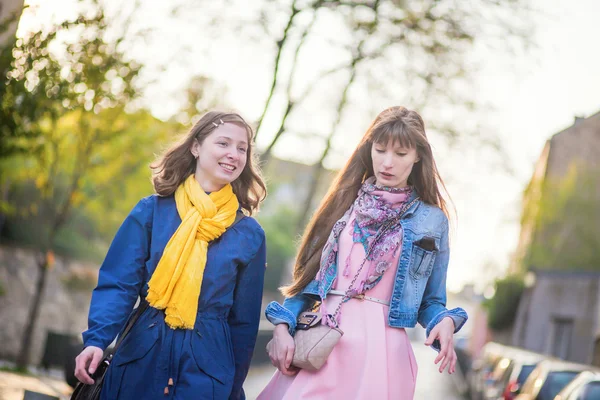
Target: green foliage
[
  {"x": 70, "y": 88},
  {"x": 502, "y": 308},
  {"x": 10, "y": 133},
  {"x": 16, "y": 370},
  {"x": 566, "y": 233},
  {"x": 279, "y": 227}
]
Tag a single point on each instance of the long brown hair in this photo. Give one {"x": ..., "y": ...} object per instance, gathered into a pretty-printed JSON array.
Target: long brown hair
[
  {"x": 177, "y": 163},
  {"x": 405, "y": 127}
]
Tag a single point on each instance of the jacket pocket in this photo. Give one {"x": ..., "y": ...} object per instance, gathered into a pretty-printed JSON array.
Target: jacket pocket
[
  {"x": 138, "y": 343},
  {"x": 421, "y": 260},
  {"x": 207, "y": 361}
]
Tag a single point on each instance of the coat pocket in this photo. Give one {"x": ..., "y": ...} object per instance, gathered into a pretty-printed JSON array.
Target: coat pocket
[
  {"x": 138, "y": 343},
  {"x": 208, "y": 362},
  {"x": 421, "y": 259}
]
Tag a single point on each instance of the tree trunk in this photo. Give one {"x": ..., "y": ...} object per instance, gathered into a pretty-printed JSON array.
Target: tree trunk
[
  {"x": 10, "y": 9},
  {"x": 34, "y": 310},
  {"x": 318, "y": 167},
  {"x": 310, "y": 195},
  {"x": 280, "y": 45}
]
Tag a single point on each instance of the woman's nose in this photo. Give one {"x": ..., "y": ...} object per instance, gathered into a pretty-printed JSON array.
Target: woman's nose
[{"x": 388, "y": 160}]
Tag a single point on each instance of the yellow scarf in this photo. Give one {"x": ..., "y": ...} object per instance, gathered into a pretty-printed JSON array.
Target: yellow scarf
[{"x": 176, "y": 282}]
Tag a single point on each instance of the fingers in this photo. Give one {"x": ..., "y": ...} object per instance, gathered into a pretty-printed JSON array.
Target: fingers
[
  {"x": 453, "y": 363},
  {"x": 281, "y": 352},
  {"x": 432, "y": 335},
  {"x": 448, "y": 358},
  {"x": 96, "y": 358},
  {"x": 450, "y": 362},
  {"x": 443, "y": 352},
  {"x": 289, "y": 370},
  {"x": 272, "y": 354},
  {"x": 289, "y": 357},
  {"x": 282, "y": 359},
  {"x": 81, "y": 362}
]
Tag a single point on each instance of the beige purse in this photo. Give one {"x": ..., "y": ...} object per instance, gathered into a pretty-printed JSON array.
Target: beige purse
[{"x": 314, "y": 340}]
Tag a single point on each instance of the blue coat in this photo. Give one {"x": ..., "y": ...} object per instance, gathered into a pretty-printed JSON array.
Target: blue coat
[{"x": 212, "y": 360}]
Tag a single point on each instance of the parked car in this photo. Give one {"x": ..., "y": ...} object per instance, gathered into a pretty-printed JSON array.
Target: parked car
[
  {"x": 585, "y": 386},
  {"x": 511, "y": 372},
  {"x": 480, "y": 375},
  {"x": 548, "y": 378}
]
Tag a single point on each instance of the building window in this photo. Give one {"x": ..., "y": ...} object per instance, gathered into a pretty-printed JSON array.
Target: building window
[{"x": 562, "y": 330}]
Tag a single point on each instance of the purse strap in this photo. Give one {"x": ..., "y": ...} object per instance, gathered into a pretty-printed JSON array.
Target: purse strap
[
  {"x": 385, "y": 228},
  {"x": 139, "y": 311}
]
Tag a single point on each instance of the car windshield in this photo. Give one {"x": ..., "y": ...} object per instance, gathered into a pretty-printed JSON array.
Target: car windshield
[
  {"x": 591, "y": 392},
  {"x": 524, "y": 374},
  {"x": 554, "y": 383}
]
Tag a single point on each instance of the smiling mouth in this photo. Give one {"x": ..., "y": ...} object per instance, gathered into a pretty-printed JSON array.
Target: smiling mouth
[{"x": 228, "y": 167}]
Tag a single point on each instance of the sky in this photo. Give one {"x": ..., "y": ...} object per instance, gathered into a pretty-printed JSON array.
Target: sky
[{"x": 532, "y": 94}]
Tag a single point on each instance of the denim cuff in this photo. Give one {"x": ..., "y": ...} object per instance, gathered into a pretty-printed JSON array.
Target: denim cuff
[
  {"x": 458, "y": 315},
  {"x": 278, "y": 314}
]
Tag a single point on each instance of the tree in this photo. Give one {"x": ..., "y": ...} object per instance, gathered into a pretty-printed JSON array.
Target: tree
[
  {"x": 65, "y": 91},
  {"x": 419, "y": 46},
  {"x": 10, "y": 14},
  {"x": 566, "y": 219},
  {"x": 502, "y": 308}
]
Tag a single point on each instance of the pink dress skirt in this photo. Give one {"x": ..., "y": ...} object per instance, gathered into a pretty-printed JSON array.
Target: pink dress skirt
[{"x": 372, "y": 361}]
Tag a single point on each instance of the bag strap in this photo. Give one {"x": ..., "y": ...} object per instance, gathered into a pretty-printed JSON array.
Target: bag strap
[
  {"x": 139, "y": 311},
  {"x": 144, "y": 304},
  {"x": 385, "y": 228},
  {"x": 238, "y": 216}
]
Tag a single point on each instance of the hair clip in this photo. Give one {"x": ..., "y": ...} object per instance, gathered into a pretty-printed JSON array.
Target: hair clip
[{"x": 217, "y": 125}]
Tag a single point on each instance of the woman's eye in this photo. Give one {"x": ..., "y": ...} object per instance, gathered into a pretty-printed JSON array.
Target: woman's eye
[
  {"x": 243, "y": 150},
  {"x": 380, "y": 151},
  {"x": 223, "y": 144},
  {"x": 401, "y": 154}
]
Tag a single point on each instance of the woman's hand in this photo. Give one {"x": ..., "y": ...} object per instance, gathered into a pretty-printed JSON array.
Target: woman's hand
[
  {"x": 281, "y": 350},
  {"x": 444, "y": 332},
  {"x": 86, "y": 363}
]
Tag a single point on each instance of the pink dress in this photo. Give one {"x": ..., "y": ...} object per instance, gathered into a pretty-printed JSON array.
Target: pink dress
[{"x": 372, "y": 361}]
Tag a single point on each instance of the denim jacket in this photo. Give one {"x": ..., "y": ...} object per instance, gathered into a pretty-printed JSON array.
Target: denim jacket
[{"x": 419, "y": 293}]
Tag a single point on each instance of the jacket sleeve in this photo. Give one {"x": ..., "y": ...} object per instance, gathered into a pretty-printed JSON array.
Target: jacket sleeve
[
  {"x": 244, "y": 316},
  {"x": 433, "y": 305},
  {"x": 290, "y": 310},
  {"x": 120, "y": 278}
]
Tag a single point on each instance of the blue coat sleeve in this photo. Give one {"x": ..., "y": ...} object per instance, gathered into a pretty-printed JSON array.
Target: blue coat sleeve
[
  {"x": 433, "y": 305},
  {"x": 120, "y": 278},
  {"x": 244, "y": 316}
]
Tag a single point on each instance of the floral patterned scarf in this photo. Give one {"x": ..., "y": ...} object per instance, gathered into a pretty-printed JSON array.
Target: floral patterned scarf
[{"x": 374, "y": 206}]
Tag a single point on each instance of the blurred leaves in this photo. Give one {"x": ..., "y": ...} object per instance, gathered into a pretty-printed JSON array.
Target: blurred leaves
[
  {"x": 279, "y": 226},
  {"x": 566, "y": 220},
  {"x": 502, "y": 308},
  {"x": 71, "y": 136}
]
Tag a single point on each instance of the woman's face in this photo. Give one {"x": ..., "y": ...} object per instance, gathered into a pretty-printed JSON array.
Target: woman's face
[
  {"x": 392, "y": 163},
  {"x": 221, "y": 157}
]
